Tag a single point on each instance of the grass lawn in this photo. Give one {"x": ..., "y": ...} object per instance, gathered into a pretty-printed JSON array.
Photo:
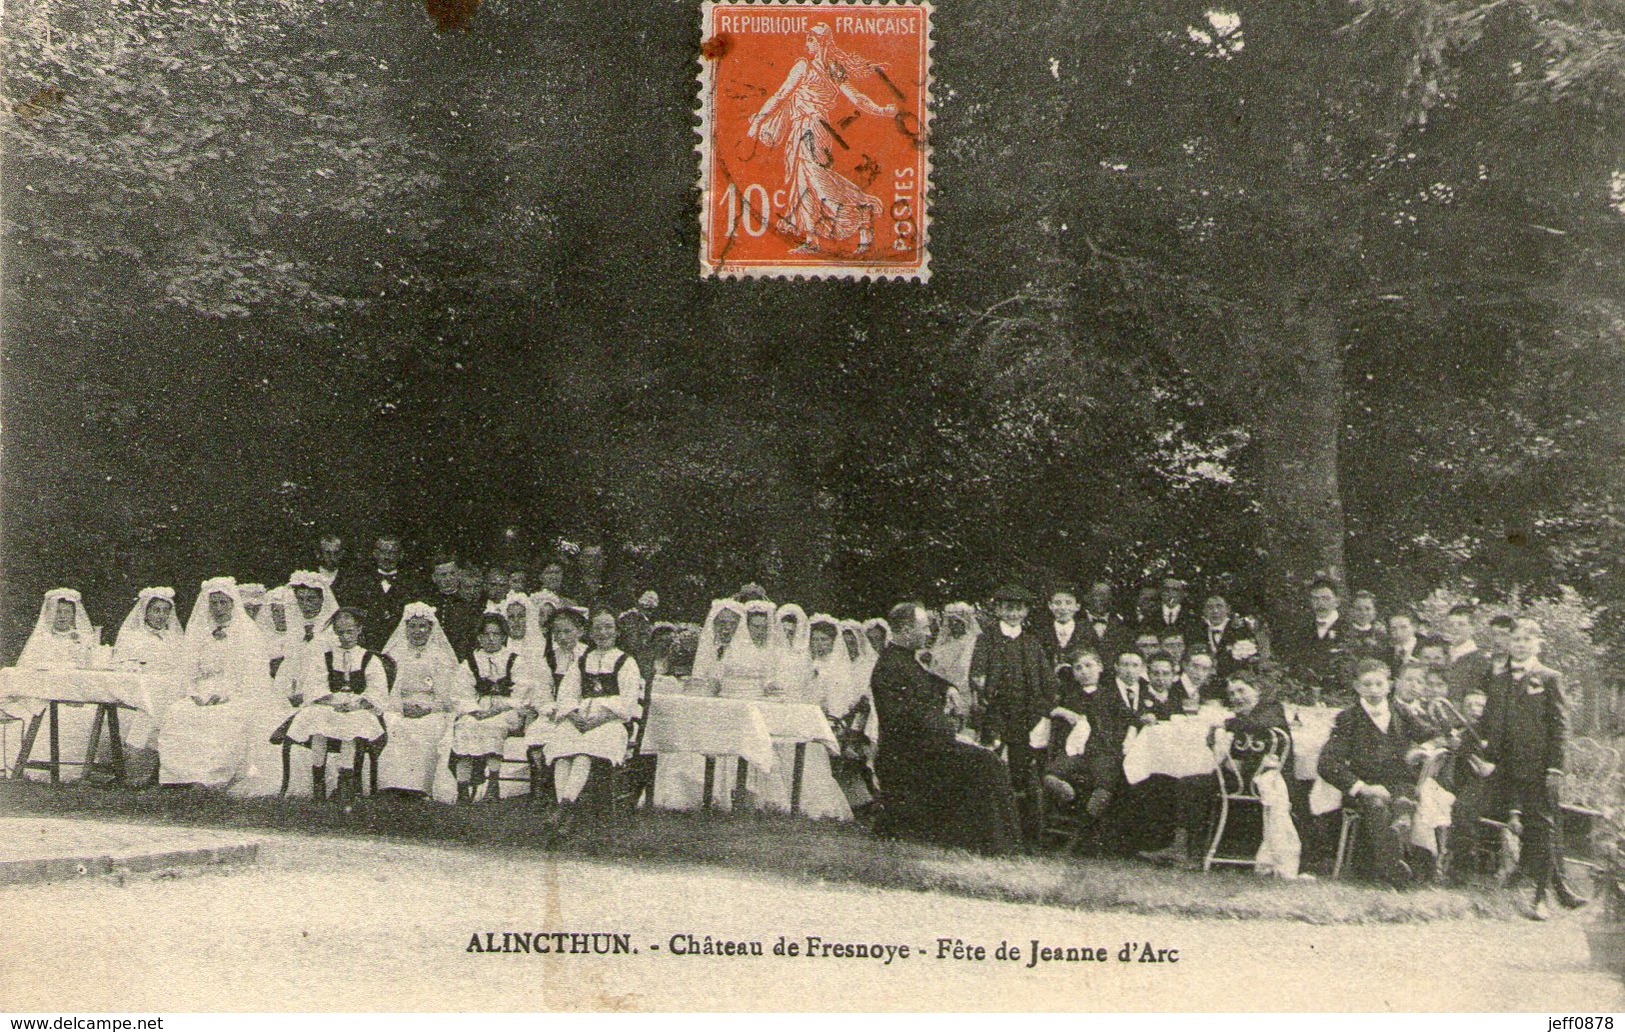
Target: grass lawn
[{"x": 786, "y": 847}]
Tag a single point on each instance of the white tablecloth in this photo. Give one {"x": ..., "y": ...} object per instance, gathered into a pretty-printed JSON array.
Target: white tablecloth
[
  {"x": 1177, "y": 747},
  {"x": 709, "y": 727},
  {"x": 127, "y": 688},
  {"x": 1311, "y": 726}
]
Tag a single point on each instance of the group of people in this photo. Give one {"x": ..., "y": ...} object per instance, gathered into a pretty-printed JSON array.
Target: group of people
[
  {"x": 1442, "y": 743},
  {"x": 971, "y": 726}
]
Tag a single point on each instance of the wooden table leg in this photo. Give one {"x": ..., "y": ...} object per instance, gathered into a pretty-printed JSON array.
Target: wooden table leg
[
  {"x": 56, "y": 746},
  {"x": 740, "y": 796},
  {"x": 796, "y": 776},
  {"x": 27, "y": 746},
  {"x": 710, "y": 783},
  {"x": 93, "y": 749},
  {"x": 115, "y": 743}
]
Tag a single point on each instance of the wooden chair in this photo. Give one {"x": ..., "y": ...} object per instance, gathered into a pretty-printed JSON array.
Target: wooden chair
[
  {"x": 1345, "y": 839},
  {"x": 366, "y": 752}
]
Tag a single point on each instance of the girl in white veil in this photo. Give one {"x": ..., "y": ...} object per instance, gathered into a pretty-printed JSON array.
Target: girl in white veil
[
  {"x": 721, "y": 625},
  {"x": 956, "y": 640},
  {"x": 62, "y": 639},
  {"x": 431, "y": 689},
  {"x": 751, "y": 659},
  {"x": 819, "y": 672},
  {"x": 525, "y": 634},
  {"x": 62, "y": 636},
  {"x": 203, "y": 735},
  {"x": 793, "y": 671},
  {"x": 274, "y": 621},
  {"x": 152, "y": 636}
]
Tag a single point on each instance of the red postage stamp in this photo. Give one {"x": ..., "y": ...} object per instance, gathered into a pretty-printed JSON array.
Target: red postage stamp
[{"x": 814, "y": 156}]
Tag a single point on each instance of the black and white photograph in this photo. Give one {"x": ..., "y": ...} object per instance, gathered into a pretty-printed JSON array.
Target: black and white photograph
[{"x": 810, "y": 506}]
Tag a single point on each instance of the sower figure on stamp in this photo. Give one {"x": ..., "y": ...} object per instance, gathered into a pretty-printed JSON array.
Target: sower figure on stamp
[
  {"x": 1527, "y": 727},
  {"x": 823, "y": 203},
  {"x": 1011, "y": 673}
]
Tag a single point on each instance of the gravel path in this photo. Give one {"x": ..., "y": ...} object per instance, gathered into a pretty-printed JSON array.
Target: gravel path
[{"x": 353, "y": 924}]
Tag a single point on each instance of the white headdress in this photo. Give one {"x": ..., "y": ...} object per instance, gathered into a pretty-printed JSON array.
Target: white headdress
[
  {"x": 43, "y": 640},
  {"x": 950, "y": 656},
  {"x": 330, "y": 605},
  {"x": 439, "y": 645},
  {"x": 794, "y": 667},
  {"x": 247, "y": 654},
  {"x": 251, "y": 594},
  {"x": 834, "y": 682},
  {"x": 707, "y": 663},
  {"x": 135, "y": 623}
]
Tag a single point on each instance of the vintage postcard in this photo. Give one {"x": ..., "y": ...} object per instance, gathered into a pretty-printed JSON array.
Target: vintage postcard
[{"x": 1127, "y": 520}]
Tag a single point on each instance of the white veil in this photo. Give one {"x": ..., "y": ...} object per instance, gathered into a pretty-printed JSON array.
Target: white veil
[
  {"x": 439, "y": 646},
  {"x": 42, "y": 640},
  {"x": 950, "y": 657},
  {"x": 134, "y": 625},
  {"x": 707, "y": 664}
]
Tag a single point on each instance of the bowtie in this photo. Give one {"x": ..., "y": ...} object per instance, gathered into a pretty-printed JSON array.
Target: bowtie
[{"x": 310, "y": 632}]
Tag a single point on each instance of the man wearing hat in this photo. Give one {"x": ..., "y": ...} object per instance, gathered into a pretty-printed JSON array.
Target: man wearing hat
[{"x": 1011, "y": 673}]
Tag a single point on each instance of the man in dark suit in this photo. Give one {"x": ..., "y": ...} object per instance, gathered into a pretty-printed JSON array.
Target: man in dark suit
[
  {"x": 383, "y": 593},
  {"x": 1011, "y": 673},
  {"x": 1367, "y": 757},
  {"x": 1221, "y": 636},
  {"x": 1314, "y": 647},
  {"x": 1467, "y": 666},
  {"x": 934, "y": 787},
  {"x": 330, "y": 563},
  {"x": 1170, "y": 615},
  {"x": 1062, "y": 635},
  {"x": 1101, "y": 628},
  {"x": 1526, "y": 726},
  {"x": 1112, "y": 710}
]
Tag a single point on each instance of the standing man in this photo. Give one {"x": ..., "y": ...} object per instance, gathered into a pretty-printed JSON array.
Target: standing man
[
  {"x": 1062, "y": 637},
  {"x": 1527, "y": 727},
  {"x": 1011, "y": 673},
  {"x": 1101, "y": 628},
  {"x": 934, "y": 787},
  {"x": 330, "y": 561},
  {"x": 1315, "y": 647},
  {"x": 383, "y": 594},
  {"x": 1170, "y": 616},
  {"x": 1466, "y": 665},
  {"x": 1221, "y": 637}
]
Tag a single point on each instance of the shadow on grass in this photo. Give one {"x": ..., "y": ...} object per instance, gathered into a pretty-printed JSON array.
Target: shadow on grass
[{"x": 785, "y": 847}]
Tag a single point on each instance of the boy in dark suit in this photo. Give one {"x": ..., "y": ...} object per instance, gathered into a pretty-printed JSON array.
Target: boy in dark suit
[
  {"x": 1368, "y": 758},
  {"x": 1527, "y": 728},
  {"x": 1101, "y": 628},
  {"x": 1011, "y": 673}
]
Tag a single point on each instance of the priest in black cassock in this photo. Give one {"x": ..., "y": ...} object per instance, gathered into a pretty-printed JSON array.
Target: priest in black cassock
[
  {"x": 1011, "y": 672},
  {"x": 934, "y": 787}
]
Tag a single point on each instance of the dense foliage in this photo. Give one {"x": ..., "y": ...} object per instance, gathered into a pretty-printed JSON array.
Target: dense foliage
[{"x": 1256, "y": 289}]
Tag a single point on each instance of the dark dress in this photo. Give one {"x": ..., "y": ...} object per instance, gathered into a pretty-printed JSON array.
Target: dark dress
[{"x": 935, "y": 788}]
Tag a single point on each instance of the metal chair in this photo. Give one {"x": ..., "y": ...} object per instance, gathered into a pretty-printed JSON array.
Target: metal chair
[
  {"x": 1345, "y": 839},
  {"x": 1238, "y": 792}
]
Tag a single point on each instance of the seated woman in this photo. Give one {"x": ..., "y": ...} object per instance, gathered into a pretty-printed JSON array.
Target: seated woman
[
  {"x": 150, "y": 636},
  {"x": 1257, "y": 746},
  {"x": 751, "y": 659},
  {"x": 310, "y": 621},
  {"x": 587, "y": 720},
  {"x": 203, "y": 735},
  {"x": 721, "y": 625},
  {"x": 505, "y": 689},
  {"x": 62, "y": 639},
  {"x": 565, "y": 649},
  {"x": 341, "y": 695},
  {"x": 431, "y": 688},
  {"x": 680, "y": 777},
  {"x": 814, "y": 672}
]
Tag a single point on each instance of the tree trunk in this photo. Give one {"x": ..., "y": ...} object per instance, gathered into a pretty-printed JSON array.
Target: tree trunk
[{"x": 1295, "y": 352}]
